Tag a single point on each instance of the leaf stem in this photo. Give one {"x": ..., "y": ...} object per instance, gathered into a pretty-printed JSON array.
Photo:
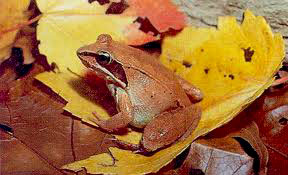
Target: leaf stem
[
  {"x": 280, "y": 81},
  {"x": 20, "y": 25}
]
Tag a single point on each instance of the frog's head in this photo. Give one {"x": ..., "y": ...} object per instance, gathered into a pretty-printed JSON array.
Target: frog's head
[{"x": 99, "y": 58}]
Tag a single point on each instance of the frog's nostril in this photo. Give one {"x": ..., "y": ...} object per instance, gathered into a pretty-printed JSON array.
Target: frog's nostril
[{"x": 79, "y": 54}]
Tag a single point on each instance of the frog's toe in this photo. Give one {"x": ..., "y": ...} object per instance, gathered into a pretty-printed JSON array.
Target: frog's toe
[
  {"x": 101, "y": 123},
  {"x": 140, "y": 150},
  {"x": 96, "y": 116}
]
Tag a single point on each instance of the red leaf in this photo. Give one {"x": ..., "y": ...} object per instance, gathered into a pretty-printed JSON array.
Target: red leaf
[{"x": 163, "y": 14}]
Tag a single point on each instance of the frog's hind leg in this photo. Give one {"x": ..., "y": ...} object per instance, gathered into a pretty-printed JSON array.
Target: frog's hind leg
[
  {"x": 170, "y": 126},
  {"x": 194, "y": 94}
]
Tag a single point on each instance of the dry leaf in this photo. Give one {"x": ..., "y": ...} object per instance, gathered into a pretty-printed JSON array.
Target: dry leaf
[
  {"x": 17, "y": 153},
  {"x": 26, "y": 41},
  {"x": 217, "y": 156},
  {"x": 224, "y": 96},
  {"x": 270, "y": 114},
  {"x": 13, "y": 12},
  {"x": 162, "y": 14},
  {"x": 246, "y": 131},
  {"x": 40, "y": 133}
]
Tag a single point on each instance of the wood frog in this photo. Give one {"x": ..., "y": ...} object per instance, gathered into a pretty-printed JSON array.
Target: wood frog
[{"x": 147, "y": 94}]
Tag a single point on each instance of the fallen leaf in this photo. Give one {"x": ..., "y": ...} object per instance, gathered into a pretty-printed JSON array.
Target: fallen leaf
[
  {"x": 219, "y": 91},
  {"x": 277, "y": 163},
  {"x": 245, "y": 131},
  {"x": 17, "y": 153},
  {"x": 26, "y": 41},
  {"x": 39, "y": 130},
  {"x": 13, "y": 12},
  {"x": 232, "y": 65},
  {"x": 79, "y": 94},
  {"x": 62, "y": 23},
  {"x": 162, "y": 14},
  {"x": 250, "y": 133},
  {"x": 217, "y": 156},
  {"x": 270, "y": 114}
]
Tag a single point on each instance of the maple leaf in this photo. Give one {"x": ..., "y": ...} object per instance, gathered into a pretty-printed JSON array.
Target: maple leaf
[{"x": 13, "y": 12}]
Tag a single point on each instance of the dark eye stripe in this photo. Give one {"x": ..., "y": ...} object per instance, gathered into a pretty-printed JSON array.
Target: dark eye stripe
[
  {"x": 101, "y": 57},
  {"x": 88, "y": 54}
]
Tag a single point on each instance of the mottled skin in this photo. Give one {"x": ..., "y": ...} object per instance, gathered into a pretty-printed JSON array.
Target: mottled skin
[{"x": 147, "y": 94}]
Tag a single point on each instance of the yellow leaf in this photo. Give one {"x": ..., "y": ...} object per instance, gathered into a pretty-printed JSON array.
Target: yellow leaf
[
  {"x": 13, "y": 12},
  {"x": 232, "y": 65},
  {"x": 67, "y": 25},
  {"x": 73, "y": 89},
  {"x": 210, "y": 52},
  {"x": 26, "y": 41}
]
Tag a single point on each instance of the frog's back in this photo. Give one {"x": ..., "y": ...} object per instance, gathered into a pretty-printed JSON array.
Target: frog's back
[
  {"x": 147, "y": 64},
  {"x": 148, "y": 97}
]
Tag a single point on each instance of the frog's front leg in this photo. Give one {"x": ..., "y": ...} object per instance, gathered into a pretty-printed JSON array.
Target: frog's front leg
[
  {"x": 119, "y": 120},
  {"x": 194, "y": 94}
]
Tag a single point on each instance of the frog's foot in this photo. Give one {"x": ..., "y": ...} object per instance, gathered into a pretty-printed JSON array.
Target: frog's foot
[
  {"x": 126, "y": 145},
  {"x": 194, "y": 94},
  {"x": 96, "y": 119},
  {"x": 115, "y": 123},
  {"x": 135, "y": 148},
  {"x": 113, "y": 161}
]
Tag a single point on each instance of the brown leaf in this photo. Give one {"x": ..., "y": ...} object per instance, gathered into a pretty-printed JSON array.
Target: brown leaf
[
  {"x": 270, "y": 114},
  {"x": 217, "y": 156},
  {"x": 235, "y": 148},
  {"x": 17, "y": 158},
  {"x": 89, "y": 141},
  {"x": 37, "y": 121},
  {"x": 246, "y": 130}
]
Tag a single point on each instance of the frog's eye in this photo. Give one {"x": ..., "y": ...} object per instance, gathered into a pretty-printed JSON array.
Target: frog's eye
[{"x": 103, "y": 58}]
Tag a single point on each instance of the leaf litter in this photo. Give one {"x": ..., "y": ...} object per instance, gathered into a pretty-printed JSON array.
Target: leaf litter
[{"x": 25, "y": 101}]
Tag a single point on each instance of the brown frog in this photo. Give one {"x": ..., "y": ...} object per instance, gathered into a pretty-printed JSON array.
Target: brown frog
[{"x": 147, "y": 94}]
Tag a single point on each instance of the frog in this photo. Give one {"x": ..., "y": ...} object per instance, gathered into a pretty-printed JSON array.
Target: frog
[{"x": 148, "y": 95}]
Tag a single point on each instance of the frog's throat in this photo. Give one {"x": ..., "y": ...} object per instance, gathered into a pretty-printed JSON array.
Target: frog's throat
[{"x": 108, "y": 75}]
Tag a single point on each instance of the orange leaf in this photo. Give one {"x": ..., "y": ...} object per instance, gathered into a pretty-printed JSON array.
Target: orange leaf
[{"x": 163, "y": 14}]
